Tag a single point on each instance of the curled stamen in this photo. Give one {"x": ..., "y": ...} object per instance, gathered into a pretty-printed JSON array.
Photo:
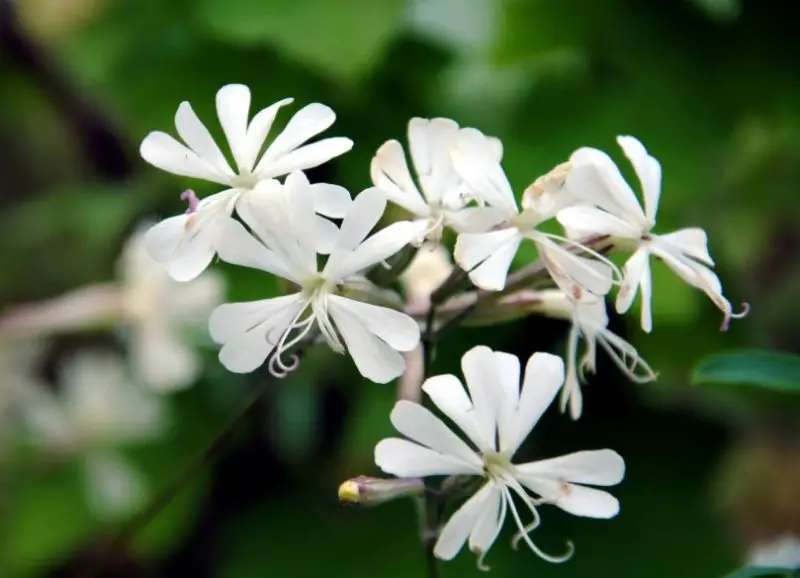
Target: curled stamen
[
  {"x": 729, "y": 314},
  {"x": 524, "y": 536},
  {"x": 194, "y": 202}
]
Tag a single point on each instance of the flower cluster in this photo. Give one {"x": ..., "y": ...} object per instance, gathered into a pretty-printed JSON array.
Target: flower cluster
[{"x": 270, "y": 217}]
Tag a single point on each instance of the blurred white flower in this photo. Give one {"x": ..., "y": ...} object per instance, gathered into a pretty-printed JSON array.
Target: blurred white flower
[
  {"x": 441, "y": 198},
  {"x": 783, "y": 552},
  {"x": 430, "y": 268},
  {"x": 487, "y": 255},
  {"x": 283, "y": 221},
  {"x": 160, "y": 311},
  {"x": 614, "y": 210},
  {"x": 590, "y": 321},
  {"x": 95, "y": 410},
  {"x": 496, "y": 416},
  {"x": 186, "y": 242}
]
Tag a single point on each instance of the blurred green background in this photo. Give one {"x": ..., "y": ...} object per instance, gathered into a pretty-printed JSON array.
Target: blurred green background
[{"x": 711, "y": 87}]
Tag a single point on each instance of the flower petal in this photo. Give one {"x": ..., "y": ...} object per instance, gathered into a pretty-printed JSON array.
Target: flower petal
[
  {"x": 420, "y": 425},
  {"x": 478, "y": 368},
  {"x": 233, "y": 109},
  {"x": 306, "y": 123},
  {"x": 161, "y": 359},
  {"x": 591, "y": 220},
  {"x": 305, "y": 157},
  {"x": 487, "y": 256},
  {"x": 475, "y": 219},
  {"x": 257, "y": 132},
  {"x": 490, "y": 522},
  {"x": 406, "y": 459},
  {"x": 595, "y": 467},
  {"x": 233, "y": 320},
  {"x": 462, "y": 523},
  {"x": 377, "y": 248},
  {"x": 389, "y": 172},
  {"x": 544, "y": 376},
  {"x": 364, "y": 213},
  {"x": 692, "y": 242},
  {"x": 647, "y": 169},
  {"x": 235, "y": 245},
  {"x": 475, "y": 161},
  {"x": 448, "y": 394},
  {"x": 331, "y": 200},
  {"x": 166, "y": 153},
  {"x": 397, "y": 329},
  {"x": 573, "y": 498},
  {"x": 573, "y": 274},
  {"x": 325, "y": 232},
  {"x": 195, "y": 134},
  {"x": 429, "y": 141},
  {"x": 636, "y": 275},
  {"x": 506, "y": 393},
  {"x": 194, "y": 257}
]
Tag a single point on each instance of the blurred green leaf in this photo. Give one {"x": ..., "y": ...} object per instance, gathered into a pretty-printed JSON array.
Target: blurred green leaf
[
  {"x": 343, "y": 42},
  {"x": 767, "y": 369},
  {"x": 758, "y": 571}
]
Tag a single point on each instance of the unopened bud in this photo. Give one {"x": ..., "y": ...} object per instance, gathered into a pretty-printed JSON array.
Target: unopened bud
[
  {"x": 430, "y": 268},
  {"x": 367, "y": 491}
]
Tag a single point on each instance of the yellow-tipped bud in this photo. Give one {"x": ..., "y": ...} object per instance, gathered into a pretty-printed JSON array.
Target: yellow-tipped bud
[{"x": 366, "y": 491}]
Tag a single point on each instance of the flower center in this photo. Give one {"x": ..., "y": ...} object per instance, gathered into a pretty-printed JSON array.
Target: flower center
[
  {"x": 526, "y": 220},
  {"x": 244, "y": 180},
  {"x": 497, "y": 465}
]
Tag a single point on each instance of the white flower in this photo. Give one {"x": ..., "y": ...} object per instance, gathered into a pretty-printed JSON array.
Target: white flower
[
  {"x": 783, "y": 552},
  {"x": 186, "y": 242},
  {"x": 487, "y": 255},
  {"x": 496, "y": 416},
  {"x": 441, "y": 198},
  {"x": 590, "y": 321},
  {"x": 618, "y": 213},
  {"x": 97, "y": 408},
  {"x": 284, "y": 222},
  {"x": 160, "y": 310}
]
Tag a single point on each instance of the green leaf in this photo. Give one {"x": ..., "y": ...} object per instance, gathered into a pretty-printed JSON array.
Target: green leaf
[
  {"x": 340, "y": 42},
  {"x": 768, "y": 369},
  {"x": 757, "y": 571}
]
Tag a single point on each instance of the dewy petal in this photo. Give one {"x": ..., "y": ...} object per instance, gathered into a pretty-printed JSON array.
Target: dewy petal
[
  {"x": 421, "y": 426},
  {"x": 164, "y": 152},
  {"x": 474, "y": 161},
  {"x": 573, "y": 498},
  {"x": 235, "y": 245},
  {"x": 161, "y": 358},
  {"x": 331, "y": 200},
  {"x": 592, "y": 220},
  {"x": 448, "y": 394},
  {"x": 595, "y": 467},
  {"x": 375, "y": 359},
  {"x": 487, "y": 256},
  {"x": 195, "y": 134},
  {"x": 636, "y": 276},
  {"x": 647, "y": 169},
  {"x": 463, "y": 522},
  {"x": 405, "y": 459},
  {"x": 544, "y": 376},
  {"x": 596, "y": 179},
  {"x": 397, "y": 329},
  {"x": 478, "y": 368},
  {"x": 389, "y": 172},
  {"x": 233, "y": 109}
]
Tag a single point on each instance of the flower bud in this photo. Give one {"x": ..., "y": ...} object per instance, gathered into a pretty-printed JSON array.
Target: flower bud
[
  {"x": 430, "y": 268},
  {"x": 367, "y": 491}
]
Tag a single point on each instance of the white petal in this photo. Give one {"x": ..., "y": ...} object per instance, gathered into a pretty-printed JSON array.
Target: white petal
[
  {"x": 636, "y": 275},
  {"x": 575, "y": 499},
  {"x": 163, "y": 239},
  {"x": 397, "y": 329},
  {"x": 235, "y": 245},
  {"x": 257, "y": 132},
  {"x": 195, "y": 134},
  {"x": 377, "y": 248},
  {"x": 475, "y": 219},
  {"x": 233, "y": 108},
  {"x": 506, "y": 392},
  {"x": 389, "y": 172},
  {"x": 692, "y": 242},
  {"x": 374, "y": 358},
  {"x": 326, "y": 233},
  {"x": 429, "y": 141},
  {"x": 544, "y": 376},
  {"x": 331, "y": 200},
  {"x": 462, "y": 522},
  {"x": 596, "y": 179},
  {"x": 492, "y": 273},
  {"x": 597, "y": 468},
  {"x": 306, "y": 157},
  {"x": 234, "y": 320},
  {"x": 364, "y": 213},
  {"x": 421, "y": 426},
  {"x": 490, "y": 523},
  {"x": 404, "y": 459},
  {"x": 474, "y": 160},
  {"x": 194, "y": 258},
  {"x": 306, "y": 123},
  {"x": 478, "y": 368},
  {"x": 191, "y": 303},
  {"x": 573, "y": 274},
  {"x": 448, "y": 394},
  {"x": 647, "y": 169},
  {"x": 164, "y": 152},
  {"x": 591, "y": 220},
  {"x": 473, "y": 248},
  {"x": 161, "y": 359}
]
